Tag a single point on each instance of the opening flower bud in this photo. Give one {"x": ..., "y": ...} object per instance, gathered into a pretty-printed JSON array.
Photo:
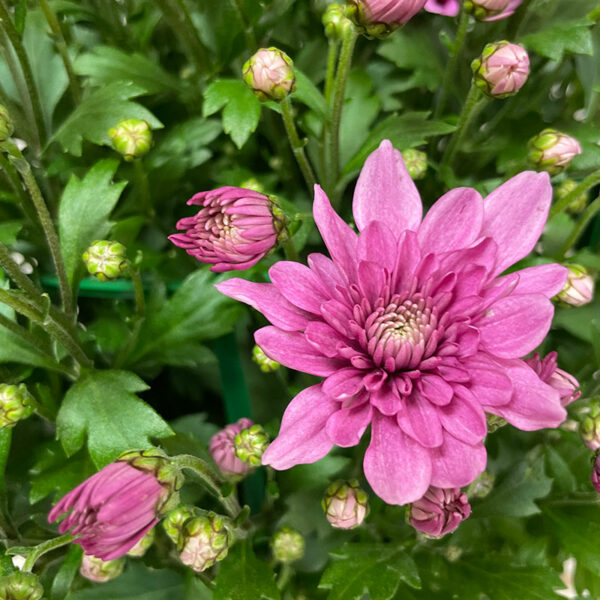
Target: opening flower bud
[
  {"x": 335, "y": 21},
  {"x": 20, "y": 586},
  {"x": 222, "y": 449},
  {"x": 345, "y": 504},
  {"x": 491, "y": 10},
  {"x": 579, "y": 289},
  {"x": 15, "y": 404},
  {"x": 100, "y": 571},
  {"x": 547, "y": 370},
  {"x": 270, "y": 74},
  {"x": 143, "y": 545},
  {"x": 590, "y": 427},
  {"x": 501, "y": 70},
  {"x": 132, "y": 138},
  {"x": 6, "y": 124},
  {"x": 287, "y": 545},
  {"x": 416, "y": 163},
  {"x": 265, "y": 364},
  {"x": 205, "y": 541},
  {"x": 552, "y": 151},
  {"x": 378, "y": 18},
  {"x": 250, "y": 445},
  {"x": 106, "y": 260},
  {"x": 439, "y": 511},
  {"x": 578, "y": 204}
]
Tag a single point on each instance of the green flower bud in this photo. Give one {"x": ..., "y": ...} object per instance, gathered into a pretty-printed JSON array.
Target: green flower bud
[
  {"x": 370, "y": 25},
  {"x": 173, "y": 523},
  {"x": 578, "y": 204},
  {"x": 263, "y": 361},
  {"x": 590, "y": 427},
  {"x": 205, "y": 541},
  {"x": 494, "y": 422},
  {"x": 15, "y": 404},
  {"x": 552, "y": 151},
  {"x": 287, "y": 545},
  {"x": 6, "y": 125},
  {"x": 250, "y": 445},
  {"x": 132, "y": 138},
  {"x": 416, "y": 163},
  {"x": 270, "y": 74},
  {"x": 335, "y": 21},
  {"x": 106, "y": 260},
  {"x": 20, "y": 586},
  {"x": 100, "y": 571},
  {"x": 143, "y": 545},
  {"x": 345, "y": 504}
]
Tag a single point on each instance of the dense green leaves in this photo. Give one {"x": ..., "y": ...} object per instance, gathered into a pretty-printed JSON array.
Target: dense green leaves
[
  {"x": 103, "y": 406},
  {"x": 573, "y": 37}
]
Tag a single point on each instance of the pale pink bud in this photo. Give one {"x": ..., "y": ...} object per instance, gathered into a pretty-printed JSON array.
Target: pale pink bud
[
  {"x": 439, "y": 511},
  {"x": 596, "y": 472},
  {"x": 564, "y": 383},
  {"x": 270, "y": 74},
  {"x": 501, "y": 70},
  {"x": 579, "y": 289},
  {"x": 448, "y": 8},
  {"x": 222, "y": 449},
  {"x": 377, "y": 18},
  {"x": 234, "y": 229},
  {"x": 100, "y": 571},
  {"x": 492, "y": 10},
  {"x": 590, "y": 427},
  {"x": 345, "y": 504},
  {"x": 552, "y": 151}
]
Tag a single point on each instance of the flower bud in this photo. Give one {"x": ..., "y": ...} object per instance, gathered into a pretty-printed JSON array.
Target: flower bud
[
  {"x": 596, "y": 472},
  {"x": 250, "y": 445},
  {"x": 439, "y": 511},
  {"x": 415, "y": 162},
  {"x": 132, "y": 138},
  {"x": 287, "y": 545},
  {"x": 579, "y": 289},
  {"x": 143, "y": 545},
  {"x": 578, "y": 204},
  {"x": 501, "y": 70},
  {"x": 378, "y": 18},
  {"x": 15, "y": 404},
  {"x": 335, "y": 21},
  {"x": 345, "y": 504},
  {"x": 270, "y": 74},
  {"x": 100, "y": 571},
  {"x": 222, "y": 449},
  {"x": 6, "y": 124},
  {"x": 590, "y": 427},
  {"x": 106, "y": 260},
  {"x": 175, "y": 520},
  {"x": 564, "y": 383},
  {"x": 235, "y": 228},
  {"x": 265, "y": 364},
  {"x": 20, "y": 586},
  {"x": 448, "y": 8},
  {"x": 205, "y": 540},
  {"x": 491, "y": 10},
  {"x": 552, "y": 151}
]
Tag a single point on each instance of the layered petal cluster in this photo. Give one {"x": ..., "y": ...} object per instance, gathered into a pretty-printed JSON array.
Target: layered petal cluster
[
  {"x": 391, "y": 12},
  {"x": 439, "y": 512},
  {"x": 112, "y": 510},
  {"x": 495, "y": 10},
  {"x": 413, "y": 327}
]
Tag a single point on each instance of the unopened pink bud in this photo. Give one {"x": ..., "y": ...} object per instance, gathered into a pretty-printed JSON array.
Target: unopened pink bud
[
  {"x": 579, "y": 289},
  {"x": 439, "y": 511},
  {"x": 501, "y": 70},
  {"x": 552, "y": 151},
  {"x": 377, "y": 18},
  {"x": 345, "y": 504},
  {"x": 100, "y": 571},
  {"x": 448, "y": 8},
  {"x": 590, "y": 427},
  {"x": 492, "y": 10},
  {"x": 222, "y": 449},
  {"x": 235, "y": 228},
  {"x": 596, "y": 472},
  {"x": 564, "y": 383},
  {"x": 270, "y": 74}
]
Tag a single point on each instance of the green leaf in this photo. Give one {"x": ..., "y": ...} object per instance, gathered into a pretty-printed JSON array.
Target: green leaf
[
  {"x": 84, "y": 210},
  {"x": 308, "y": 93},
  {"x": 241, "y": 108},
  {"x": 66, "y": 573},
  {"x": 100, "y": 111},
  {"x": 405, "y": 131},
  {"x": 242, "y": 576},
  {"x": 103, "y": 406},
  {"x": 573, "y": 37},
  {"x": 376, "y": 569},
  {"x": 5, "y": 440},
  {"x": 105, "y": 65},
  {"x": 9, "y": 231}
]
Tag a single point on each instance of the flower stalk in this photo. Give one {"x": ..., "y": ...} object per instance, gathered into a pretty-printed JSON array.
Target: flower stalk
[
  {"x": 43, "y": 548},
  {"x": 589, "y": 182},
  {"x": 590, "y": 212}
]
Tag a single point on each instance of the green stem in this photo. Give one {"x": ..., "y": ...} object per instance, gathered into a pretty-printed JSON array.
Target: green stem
[
  {"x": 590, "y": 212},
  {"x": 29, "y": 338},
  {"x": 297, "y": 144},
  {"x": 334, "y": 47},
  {"x": 11, "y": 268},
  {"x": 470, "y": 110},
  {"x": 589, "y": 182},
  {"x": 143, "y": 187},
  {"x": 15, "y": 183},
  {"x": 248, "y": 30},
  {"x": 290, "y": 250},
  {"x": 285, "y": 574},
  {"x": 61, "y": 46},
  {"x": 140, "y": 298},
  {"x": 455, "y": 52},
  {"x": 44, "y": 547},
  {"x": 339, "y": 97},
  {"x": 17, "y": 43},
  {"x": 517, "y": 20}
]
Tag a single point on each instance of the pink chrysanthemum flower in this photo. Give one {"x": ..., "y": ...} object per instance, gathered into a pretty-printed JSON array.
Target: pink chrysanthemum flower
[{"x": 414, "y": 328}]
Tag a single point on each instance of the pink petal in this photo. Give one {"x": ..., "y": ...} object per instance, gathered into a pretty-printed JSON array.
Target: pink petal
[
  {"x": 455, "y": 463},
  {"x": 378, "y": 244},
  {"x": 329, "y": 274},
  {"x": 346, "y": 426},
  {"x": 435, "y": 389},
  {"x": 420, "y": 421},
  {"x": 515, "y": 215},
  {"x": 292, "y": 350},
  {"x": 453, "y": 222},
  {"x": 267, "y": 299},
  {"x": 464, "y": 418},
  {"x": 344, "y": 383},
  {"x": 371, "y": 278},
  {"x": 448, "y": 8},
  {"x": 386, "y": 193},
  {"x": 323, "y": 338},
  {"x": 302, "y": 437},
  {"x": 299, "y": 285},
  {"x": 534, "y": 404},
  {"x": 516, "y": 325},
  {"x": 547, "y": 280},
  {"x": 397, "y": 468},
  {"x": 489, "y": 382}
]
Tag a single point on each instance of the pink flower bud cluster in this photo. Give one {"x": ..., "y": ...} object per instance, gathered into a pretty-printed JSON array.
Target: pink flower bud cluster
[{"x": 439, "y": 511}]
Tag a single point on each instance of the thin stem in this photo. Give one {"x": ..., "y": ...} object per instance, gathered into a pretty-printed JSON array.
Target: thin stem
[
  {"x": 455, "y": 52},
  {"x": 297, "y": 144},
  {"x": 61, "y": 46},
  {"x": 15, "y": 182},
  {"x": 590, "y": 212},
  {"x": 29, "y": 338},
  {"x": 290, "y": 249},
  {"x": 143, "y": 186},
  {"x": 285, "y": 574},
  {"x": 248, "y": 30},
  {"x": 17, "y": 43},
  {"x": 334, "y": 47},
  {"x": 589, "y": 182},
  {"x": 11, "y": 268},
  {"x": 44, "y": 547},
  {"x": 138, "y": 287},
  {"x": 339, "y": 97}
]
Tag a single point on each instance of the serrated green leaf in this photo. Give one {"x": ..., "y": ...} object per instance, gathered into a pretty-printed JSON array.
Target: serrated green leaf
[
  {"x": 103, "y": 406},
  {"x": 374, "y": 569},
  {"x": 83, "y": 213},
  {"x": 308, "y": 93},
  {"x": 242, "y": 576},
  {"x": 241, "y": 108},
  {"x": 574, "y": 37},
  {"x": 100, "y": 111}
]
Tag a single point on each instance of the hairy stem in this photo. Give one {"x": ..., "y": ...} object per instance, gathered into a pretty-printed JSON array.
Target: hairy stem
[{"x": 44, "y": 547}]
